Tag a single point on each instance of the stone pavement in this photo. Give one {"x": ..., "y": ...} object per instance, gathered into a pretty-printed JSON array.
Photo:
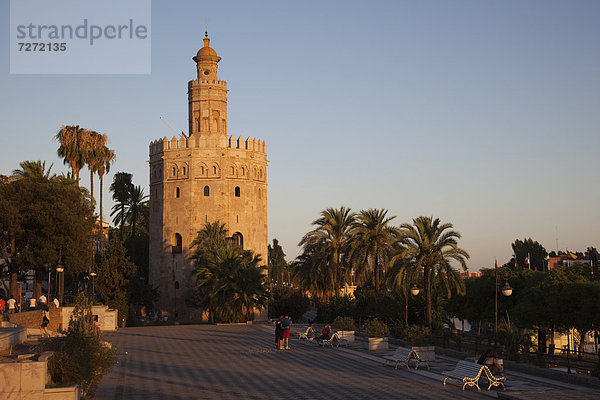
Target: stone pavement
[{"x": 240, "y": 362}]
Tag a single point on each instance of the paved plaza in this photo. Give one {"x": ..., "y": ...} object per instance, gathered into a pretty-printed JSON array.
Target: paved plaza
[{"x": 240, "y": 362}]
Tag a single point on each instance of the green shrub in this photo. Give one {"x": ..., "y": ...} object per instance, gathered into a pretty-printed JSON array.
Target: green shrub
[
  {"x": 415, "y": 334},
  {"x": 376, "y": 328},
  {"x": 337, "y": 306},
  {"x": 82, "y": 356},
  {"x": 344, "y": 324},
  {"x": 370, "y": 304},
  {"x": 288, "y": 301},
  {"x": 516, "y": 342}
]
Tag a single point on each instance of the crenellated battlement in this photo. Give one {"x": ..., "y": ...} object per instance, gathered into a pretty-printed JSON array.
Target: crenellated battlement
[
  {"x": 165, "y": 144},
  {"x": 219, "y": 82}
]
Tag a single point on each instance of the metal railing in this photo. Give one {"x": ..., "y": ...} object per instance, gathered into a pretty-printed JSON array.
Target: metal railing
[{"x": 547, "y": 357}]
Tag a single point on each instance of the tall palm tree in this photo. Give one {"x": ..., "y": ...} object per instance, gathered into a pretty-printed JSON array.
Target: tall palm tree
[
  {"x": 332, "y": 237},
  {"x": 373, "y": 242},
  {"x": 432, "y": 246},
  {"x": 137, "y": 200},
  {"x": 95, "y": 145},
  {"x": 33, "y": 169},
  {"x": 230, "y": 283},
  {"x": 212, "y": 236},
  {"x": 107, "y": 158},
  {"x": 312, "y": 270},
  {"x": 121, "y": 188},
  {"x": 72, "y": 148}
]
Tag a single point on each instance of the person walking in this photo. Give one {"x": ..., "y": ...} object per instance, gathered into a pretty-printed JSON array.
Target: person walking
[
  {"x": 56, "y": 303},
  {"x": 45, "y": 321},
  {"x": 11, "y": 305},
  {"x": 32, "y": 303}
]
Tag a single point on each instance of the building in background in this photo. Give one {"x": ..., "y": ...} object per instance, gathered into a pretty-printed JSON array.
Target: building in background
[{"x": 204, "y": 176}]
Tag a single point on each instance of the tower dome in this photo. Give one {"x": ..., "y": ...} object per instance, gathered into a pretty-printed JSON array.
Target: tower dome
[{"x": 206, "y": 53}]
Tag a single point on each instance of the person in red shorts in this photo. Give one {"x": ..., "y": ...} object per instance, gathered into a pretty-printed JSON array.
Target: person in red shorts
[{"x": 286, "y": 324}]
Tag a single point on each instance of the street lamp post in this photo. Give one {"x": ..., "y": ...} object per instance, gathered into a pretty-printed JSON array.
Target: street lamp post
[
  {"x": 93, "y": 274},
  {"x": 59, "y": 283},
  {"x": 506, "y": 291},
  {"x": 414, "y": 290}
]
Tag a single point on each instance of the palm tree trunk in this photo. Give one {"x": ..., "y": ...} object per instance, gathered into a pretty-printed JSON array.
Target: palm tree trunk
[
  {"x": 92, "y": 189},
  {"x": 427, "y": 279},
  {"x": 338, "y": 278},
  {"x": 376, "y": 268},
  {"x": 122, "y": 222},
  {"x": 101, "y": 176}
]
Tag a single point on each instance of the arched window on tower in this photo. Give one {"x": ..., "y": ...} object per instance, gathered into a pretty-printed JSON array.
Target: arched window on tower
[
  {"x": 238, "y": 240},
  {"x": 176, "y": 248},
  {"x": 184, "y": 171},
  {"x": 174, "y": 171},
  {"x": 214, "y": 170},
  {"x": 206, "y": 191},
  {"x": 237, "y": 191},
  {"x": 177, "y": 192}
]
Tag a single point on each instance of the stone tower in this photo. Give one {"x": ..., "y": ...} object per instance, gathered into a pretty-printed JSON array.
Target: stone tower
[{"x": 203, "y": 177}]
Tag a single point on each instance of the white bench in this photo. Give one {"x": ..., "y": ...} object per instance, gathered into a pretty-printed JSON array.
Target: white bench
[
  {"x": 334, "y": 339},
  {"x": 310, "y": 332},
  {"x": 466, "y": 372},
  {"x": 403, "y": 355},
  {"x": 494, "y": 380}
]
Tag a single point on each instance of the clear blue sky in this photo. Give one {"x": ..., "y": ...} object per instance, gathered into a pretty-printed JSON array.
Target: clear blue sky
[{"x": 485, "y": 114}]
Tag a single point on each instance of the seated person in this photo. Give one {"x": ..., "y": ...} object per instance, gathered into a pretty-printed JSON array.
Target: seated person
[
  {"x": 310, "y": 331},
  {"x": 325, "y": 333},
  {"x": 490, "y": 360},
  {"x": 484, "y": 357}
]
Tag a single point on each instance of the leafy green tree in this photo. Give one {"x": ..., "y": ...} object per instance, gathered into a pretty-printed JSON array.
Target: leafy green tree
[
  {"x": 277, "y": 263},
  {"x": 288, "y": 300},
  {"x": 81, "y": 357},
  {"x": 138, "y": 252},
  {"x": 115, "y": 271},
  {"x": 433, "y": 245},
  {"x": 9, "y": 226},
  {"x": 372, "y": 244},
  {"x": 142, "y": 294},
  {"x": 532, "y": 249},
  {"x": 48, "y": 219},
  {"x": 332, "y": 236}
]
